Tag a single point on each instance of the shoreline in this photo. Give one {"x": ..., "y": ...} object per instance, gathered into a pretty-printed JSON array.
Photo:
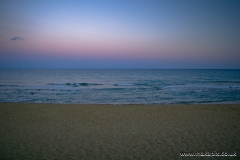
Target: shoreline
[
  {"x": 104, "y": 131},
  {"x": 119, "y": 104}
]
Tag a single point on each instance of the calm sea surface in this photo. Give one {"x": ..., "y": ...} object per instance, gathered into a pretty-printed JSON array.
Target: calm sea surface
[{"x": 120, "y": 86}]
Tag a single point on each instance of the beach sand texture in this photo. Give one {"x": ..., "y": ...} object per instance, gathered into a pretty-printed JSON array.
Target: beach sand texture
[{"x": 62, "y": 131}]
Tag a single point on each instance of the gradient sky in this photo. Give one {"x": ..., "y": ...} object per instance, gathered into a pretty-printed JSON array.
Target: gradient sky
[{"x": 171, "y": 34}]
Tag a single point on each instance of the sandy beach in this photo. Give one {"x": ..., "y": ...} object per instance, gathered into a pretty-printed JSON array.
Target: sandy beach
[{"x": 63, "y": 131}]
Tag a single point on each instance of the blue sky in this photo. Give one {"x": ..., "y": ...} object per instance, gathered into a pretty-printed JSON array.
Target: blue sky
[{"x": 120, "y": 34}]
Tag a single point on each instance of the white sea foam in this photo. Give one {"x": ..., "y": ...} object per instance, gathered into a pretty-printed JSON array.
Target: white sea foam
[{"x": 125, "y": 84}]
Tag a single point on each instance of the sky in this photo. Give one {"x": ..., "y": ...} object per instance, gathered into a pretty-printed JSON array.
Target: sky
[{"x": 120, "y": 34}]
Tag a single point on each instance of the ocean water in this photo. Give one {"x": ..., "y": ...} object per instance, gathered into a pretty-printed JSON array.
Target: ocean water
[{"x": 76, "y": 86}]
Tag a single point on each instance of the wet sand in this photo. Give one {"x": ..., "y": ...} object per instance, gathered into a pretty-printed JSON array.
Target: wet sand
[{"x": 63, "y": 131}]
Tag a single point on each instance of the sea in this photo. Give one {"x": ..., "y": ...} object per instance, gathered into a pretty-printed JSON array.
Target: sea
[{"x": 120, "y": 86}]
